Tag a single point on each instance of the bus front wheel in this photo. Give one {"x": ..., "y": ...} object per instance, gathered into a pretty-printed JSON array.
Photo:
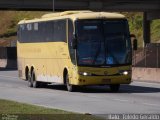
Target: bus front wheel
[
  {"x": 70, "y": 87},
  {"x": 115, "y": 87}
]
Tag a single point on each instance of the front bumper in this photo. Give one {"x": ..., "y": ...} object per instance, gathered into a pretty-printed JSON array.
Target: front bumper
[{"x": 103, "y": 80}]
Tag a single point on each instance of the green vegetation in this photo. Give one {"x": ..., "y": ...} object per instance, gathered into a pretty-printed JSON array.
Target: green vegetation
[
  {"x": 136, "y": 27},
  {"x": 31, "y": 112},
  {"x": 155, "y": 31},
  {"x": 9, "y": 20}
]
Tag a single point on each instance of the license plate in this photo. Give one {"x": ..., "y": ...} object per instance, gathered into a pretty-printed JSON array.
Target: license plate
[{"x": 106, "y": 81}]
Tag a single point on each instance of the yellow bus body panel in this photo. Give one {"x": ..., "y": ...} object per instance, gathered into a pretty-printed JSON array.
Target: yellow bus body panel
[
  {"x": 49, "y": 59},
  {"x": 102, "y": 76}
]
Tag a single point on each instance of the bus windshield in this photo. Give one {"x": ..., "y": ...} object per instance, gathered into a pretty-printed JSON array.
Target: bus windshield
[{"x": 103, "y": 42}]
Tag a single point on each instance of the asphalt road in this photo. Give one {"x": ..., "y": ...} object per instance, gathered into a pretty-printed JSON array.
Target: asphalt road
[{"x": 138, "y": 97}]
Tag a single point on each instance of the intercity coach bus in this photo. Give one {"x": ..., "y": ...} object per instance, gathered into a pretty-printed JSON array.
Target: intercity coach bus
[{"x": 75, "y": 48}]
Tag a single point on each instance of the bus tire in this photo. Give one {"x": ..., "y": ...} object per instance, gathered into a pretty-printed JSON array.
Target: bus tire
[
  {"x": 43, "y": 84},
  {"x": 35, "y": 83},
  {"x": 115, "y": 87},
  {"x": 30, "y": 83},
  {"x": 70, "y": 87}
]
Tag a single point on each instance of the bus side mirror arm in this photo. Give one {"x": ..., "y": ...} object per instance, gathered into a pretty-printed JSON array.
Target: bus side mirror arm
[{"x": 135, "y": 45}]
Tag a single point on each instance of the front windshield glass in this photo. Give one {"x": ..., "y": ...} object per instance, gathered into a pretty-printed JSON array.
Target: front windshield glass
[{"x": 103, "y": 42}]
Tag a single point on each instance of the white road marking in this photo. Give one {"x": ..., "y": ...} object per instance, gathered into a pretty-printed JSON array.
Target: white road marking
[
  {"x": 121, "y": 100},
  {"x": 150, "y": 104},
  {"x": 8, "y": 76}
]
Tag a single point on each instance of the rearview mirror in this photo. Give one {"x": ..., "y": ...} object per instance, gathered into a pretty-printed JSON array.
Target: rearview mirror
[
  {"x": 132, "y": 36},
  {"x": 135, "y": 45},
  {"x": 134, "y": 41}
]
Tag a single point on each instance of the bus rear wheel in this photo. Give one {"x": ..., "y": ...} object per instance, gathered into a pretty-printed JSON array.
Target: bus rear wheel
[
  {"x": 115, "y": 87},
  {"x": 30, "y": 83},
  {"x": 70, "y": 87},
  {"x": 35, "y": 83}
]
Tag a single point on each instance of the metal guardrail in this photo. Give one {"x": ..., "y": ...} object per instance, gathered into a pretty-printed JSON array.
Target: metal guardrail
[{"x": 148, "y": 57}]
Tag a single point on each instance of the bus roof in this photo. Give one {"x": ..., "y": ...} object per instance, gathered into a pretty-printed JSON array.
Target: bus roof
[{"x": 74, "y": 15}]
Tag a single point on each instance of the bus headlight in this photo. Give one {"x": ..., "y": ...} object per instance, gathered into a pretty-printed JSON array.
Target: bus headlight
[
  {"x": 125, "y": 72},
  {"x": 85, "y": 73}
]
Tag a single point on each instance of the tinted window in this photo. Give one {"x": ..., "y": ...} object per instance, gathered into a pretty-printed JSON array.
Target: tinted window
[
  {"x": 50, "y": 31},
  {"x": 60, "y": 30},
  {"x": 103, "y": 42}
]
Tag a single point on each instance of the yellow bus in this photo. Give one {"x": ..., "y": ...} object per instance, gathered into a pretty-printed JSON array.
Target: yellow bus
[{"x": 75, "y": 48}]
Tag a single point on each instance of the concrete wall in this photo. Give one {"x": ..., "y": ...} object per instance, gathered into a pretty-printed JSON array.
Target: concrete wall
[
  {"x": 146, "y": 63},
  {"x": 146, "y": 74},
  {"x": 148, "y": 57},
  {"x": 8, "y": 57}
]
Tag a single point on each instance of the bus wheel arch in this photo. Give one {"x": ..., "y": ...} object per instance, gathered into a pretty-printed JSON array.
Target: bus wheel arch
[
  {"x": 27, "y": 73},
  {"x": 65, "y": 72},
  {"x": 32, "y": 69},
  {"x": 69, "y": 86}
]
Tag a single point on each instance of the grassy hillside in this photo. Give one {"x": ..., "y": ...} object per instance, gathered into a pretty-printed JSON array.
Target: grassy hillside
[
  {"x": 11, "y": 110},
  {"x": 9, "y": 20},
  {"x": 8, "y": 24}
]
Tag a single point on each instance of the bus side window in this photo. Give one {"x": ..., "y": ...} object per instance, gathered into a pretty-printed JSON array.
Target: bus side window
[{"x": 60, "y": 30}]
